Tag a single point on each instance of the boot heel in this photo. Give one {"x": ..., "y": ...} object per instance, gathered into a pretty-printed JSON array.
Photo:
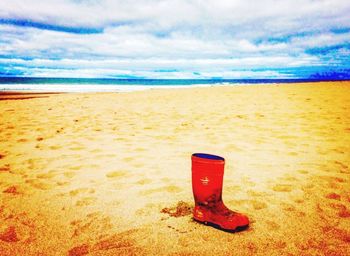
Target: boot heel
[{"x": 201, "y": 221}]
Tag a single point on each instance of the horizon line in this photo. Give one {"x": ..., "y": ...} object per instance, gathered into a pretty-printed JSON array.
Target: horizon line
[{"x": 315, "y": 79}]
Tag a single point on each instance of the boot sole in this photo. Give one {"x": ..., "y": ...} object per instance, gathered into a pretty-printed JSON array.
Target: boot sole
[{"x": 217, "y": 226}]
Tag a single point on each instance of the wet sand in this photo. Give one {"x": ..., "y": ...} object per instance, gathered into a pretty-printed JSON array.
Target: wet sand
[
  {"x": 23, "y": 95},
  {"x": 109, "y": 173}
]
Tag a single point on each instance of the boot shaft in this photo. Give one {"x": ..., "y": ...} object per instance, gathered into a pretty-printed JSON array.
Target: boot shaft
[{"x": 207, "y": 178}]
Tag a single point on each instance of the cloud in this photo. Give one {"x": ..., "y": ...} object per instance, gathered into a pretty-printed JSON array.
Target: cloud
[
  {"x": 107, "y": 38},
  {"x": 28, "y": 23}
]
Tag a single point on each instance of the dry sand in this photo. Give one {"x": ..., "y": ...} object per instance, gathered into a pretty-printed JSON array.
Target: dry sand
[{"x": 109, "y": 173}]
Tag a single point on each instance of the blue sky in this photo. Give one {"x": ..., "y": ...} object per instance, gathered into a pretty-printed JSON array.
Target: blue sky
[{"x": 175, "y": 38}]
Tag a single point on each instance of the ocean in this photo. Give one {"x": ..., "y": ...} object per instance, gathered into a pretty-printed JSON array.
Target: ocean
[{"x": 110, "y": 84}]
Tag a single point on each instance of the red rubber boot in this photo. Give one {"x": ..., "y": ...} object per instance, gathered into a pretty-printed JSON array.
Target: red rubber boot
[{"x": 207, "y": 178}]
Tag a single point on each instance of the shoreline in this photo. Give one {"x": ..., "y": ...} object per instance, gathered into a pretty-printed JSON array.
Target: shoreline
[{"x": 95, "y": 88}]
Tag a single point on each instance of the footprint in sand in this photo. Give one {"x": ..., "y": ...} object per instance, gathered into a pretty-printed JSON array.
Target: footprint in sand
[
  {"x": 121, "y": 139},
  {"x": 341, "y": 234},
  {"x": 128, "y": 159},
  {"x": 75, "y": 168},
  {"x": 5, "y": 168},
  {"x": 49, "y": 175},
  {"x": 144, "y": 181},
  {"x": 252, "y": 248},
  {"x": 241, "y": 116},
  {"x": 62, "y": 183},
  {"x": 272, "y": 225},
  {"x": 55, "y": 147},
  {"x": 254, "y": 193},
  {"x": 97, "y": 150},
  {"x": 94, "y": 222},
  {"x": 137, "y": 165},
  {"x": 38, "y": 184},
  {"x": 289, "y": 178},
  {"x": 332, "y": 182},
  {"x": 259, "y": 115},
  {"x": 69, "y": 174},
  {"x": 78, "y": 191},
  {"x": 119, "y": 244},
  {"x": 339, "y": 150},
  {"x": 343, "y": 211},
  {"x": 333, "y": 196},
  {"x": 86, "y": 201},
  {"x": 170, "y": 189},
  {"x": 79, "y": 250},
  {"x": 77, "y": 148},
  {"x": 279, "y": 244},
  {"x": 298, "y": 200},
  {"x": 32, "y": 163},
  {"x": 12, "y": 190},
  {"x": 148, "y": 209},
  {"x": 288, "y": 207},
  {"x": 39, "y": 139},
  {"x": 331, "y": 179},
  {"x": 303, "y": 171},
  {"x": 22, "y": 231},
  {"x": 308, "y": 188},
  {"x": 286, "y": 137},
  {"x": 258, "y": 205},
  {"x": 116, "y": 174},
  {"x": 21, "y": 172},
  {"x": 282, "y": 188},
  {"x": 9, "y": 235},
  {"x": 341, "y": 164}
]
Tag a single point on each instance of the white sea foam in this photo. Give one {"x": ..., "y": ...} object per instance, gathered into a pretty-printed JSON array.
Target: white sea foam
[{"x": 92, "y": 87}]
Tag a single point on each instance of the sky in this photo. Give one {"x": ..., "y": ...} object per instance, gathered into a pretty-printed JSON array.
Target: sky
[{"x": 194, "y": 39}]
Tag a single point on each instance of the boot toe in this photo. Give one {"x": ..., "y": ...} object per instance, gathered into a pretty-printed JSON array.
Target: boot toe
[
  {"x": 238, "y": 222},
  {"x": 243, "y": 220}
]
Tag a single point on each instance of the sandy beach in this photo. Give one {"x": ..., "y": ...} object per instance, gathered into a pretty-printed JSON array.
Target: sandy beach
[{"x": 110, "y": 173}]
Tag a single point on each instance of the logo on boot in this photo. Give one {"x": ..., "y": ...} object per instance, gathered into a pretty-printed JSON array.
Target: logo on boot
[
  {"x": 205, "y": 180},
  {"x": 199, "y": 213}
]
